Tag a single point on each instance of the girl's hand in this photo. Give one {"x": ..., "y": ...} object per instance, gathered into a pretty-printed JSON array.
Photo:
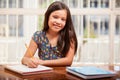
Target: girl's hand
[
  {"x": 41, "y": 62},
  {"x": 32, "y": 62}
]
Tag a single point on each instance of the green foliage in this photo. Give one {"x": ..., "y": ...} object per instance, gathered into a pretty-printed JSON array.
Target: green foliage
[
  {"x": 41, "y": 17},
  {"x": 40, "y": 22},
  {"x": 89, "y": 33}
]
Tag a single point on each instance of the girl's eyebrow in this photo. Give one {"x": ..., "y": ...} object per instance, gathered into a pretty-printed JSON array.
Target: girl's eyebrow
[{"x": 58, "y": 16}]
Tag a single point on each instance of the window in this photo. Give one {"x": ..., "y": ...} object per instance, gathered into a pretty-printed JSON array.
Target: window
[
  {"x": 11, "y": 22},
  {"x": 117, "y": 39},
  {"x": 117, "y": 28},
  {"x": 117, "y": 4},
  {"x": 96, "y": 3},
  {"x": 73, "y": 3},
  {"x": 96, "y": 22}
]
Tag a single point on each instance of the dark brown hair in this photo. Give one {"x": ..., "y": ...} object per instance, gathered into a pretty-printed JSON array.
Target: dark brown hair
[{"x": 67, "y": 34}]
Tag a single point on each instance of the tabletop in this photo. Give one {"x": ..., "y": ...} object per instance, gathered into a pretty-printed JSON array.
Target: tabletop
[{"x": 58, "y": 73}]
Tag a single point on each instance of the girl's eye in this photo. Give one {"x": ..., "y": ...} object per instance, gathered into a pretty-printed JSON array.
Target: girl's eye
[
  {"x": 55, "y": 17},
  {"x": 63, "y": 19}
]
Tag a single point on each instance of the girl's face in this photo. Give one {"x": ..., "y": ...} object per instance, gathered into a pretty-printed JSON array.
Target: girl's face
[{"x": 57, "y": 20}]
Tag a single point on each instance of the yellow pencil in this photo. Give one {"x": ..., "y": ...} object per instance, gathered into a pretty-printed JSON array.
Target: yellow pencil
[{"x": 29, "y": 50}]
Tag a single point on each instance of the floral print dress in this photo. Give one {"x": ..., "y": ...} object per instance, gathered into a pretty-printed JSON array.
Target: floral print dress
[{"x": 45, "y": 50}]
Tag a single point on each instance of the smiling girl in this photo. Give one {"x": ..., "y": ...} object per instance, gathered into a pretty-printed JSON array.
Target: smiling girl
[{"x": 56, "y": 42}]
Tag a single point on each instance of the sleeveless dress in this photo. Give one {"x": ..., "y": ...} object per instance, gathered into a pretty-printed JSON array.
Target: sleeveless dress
[{"x": 45, "y": 50}]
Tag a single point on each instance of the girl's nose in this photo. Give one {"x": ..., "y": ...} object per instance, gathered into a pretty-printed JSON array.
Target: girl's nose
[{"x": 58, "y": 21}]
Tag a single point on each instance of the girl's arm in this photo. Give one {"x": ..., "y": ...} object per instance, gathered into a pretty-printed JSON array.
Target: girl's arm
[
  {"x": 30, "y": 61},
  {"x": 29, "y": 58},
  {"x": 66, "y": 61}
]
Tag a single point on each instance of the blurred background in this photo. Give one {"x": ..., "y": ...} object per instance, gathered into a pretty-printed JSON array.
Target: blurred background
[{"x": 96, "y": 22}]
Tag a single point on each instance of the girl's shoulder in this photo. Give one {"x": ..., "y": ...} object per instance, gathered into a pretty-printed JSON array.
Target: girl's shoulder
[
  {"x": 39, "y": 33},
  {"x": 39, "y": 36}
]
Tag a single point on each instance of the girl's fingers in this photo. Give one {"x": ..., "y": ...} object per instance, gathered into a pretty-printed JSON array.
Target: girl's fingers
[
  {"x": 35, "y": 62},
  {"x": 32, "y": 65}
]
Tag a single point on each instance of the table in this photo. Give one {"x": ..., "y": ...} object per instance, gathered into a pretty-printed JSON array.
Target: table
[{"x": 58, "y": 73}]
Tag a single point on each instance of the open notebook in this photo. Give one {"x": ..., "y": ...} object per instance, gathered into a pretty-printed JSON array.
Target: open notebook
[{"x": 25, "y": 70}]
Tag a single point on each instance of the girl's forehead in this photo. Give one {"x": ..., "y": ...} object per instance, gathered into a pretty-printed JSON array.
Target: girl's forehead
[{"x": 60, "y": 11}]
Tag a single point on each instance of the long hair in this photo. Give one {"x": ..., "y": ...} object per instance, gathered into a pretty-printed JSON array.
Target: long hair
[{"x": 67, "y": 34}]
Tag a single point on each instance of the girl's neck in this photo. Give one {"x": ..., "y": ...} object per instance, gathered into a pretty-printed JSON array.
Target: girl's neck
[
  {"x": 52, "y": 37},
  {"x": 51, "y": 34}
]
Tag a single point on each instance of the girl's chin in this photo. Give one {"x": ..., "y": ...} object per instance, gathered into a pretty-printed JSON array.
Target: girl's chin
[{"x": 56, "y": 30}]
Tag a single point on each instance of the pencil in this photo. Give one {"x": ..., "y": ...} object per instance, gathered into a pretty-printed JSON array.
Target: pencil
[{"x": 28, "y": 50}]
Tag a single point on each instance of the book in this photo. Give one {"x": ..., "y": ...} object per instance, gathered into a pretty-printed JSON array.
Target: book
[
  {"x": 90, "y": 72},
  {"x": 25, "y": 70}
]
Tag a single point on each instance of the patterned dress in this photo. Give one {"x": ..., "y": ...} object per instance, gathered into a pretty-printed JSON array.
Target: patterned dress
[{"x": 45, "y": 50}]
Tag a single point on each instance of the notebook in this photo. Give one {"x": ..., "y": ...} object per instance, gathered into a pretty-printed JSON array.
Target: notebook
[
  {"x": 25, "y": 70},
  {"x": 90, "y": 72}
]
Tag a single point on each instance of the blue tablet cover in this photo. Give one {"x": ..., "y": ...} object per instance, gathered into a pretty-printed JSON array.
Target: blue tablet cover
[{"x": 89, "y": 70}]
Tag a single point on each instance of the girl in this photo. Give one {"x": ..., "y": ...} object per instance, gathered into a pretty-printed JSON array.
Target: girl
[{"x": 56, "y": 42}]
